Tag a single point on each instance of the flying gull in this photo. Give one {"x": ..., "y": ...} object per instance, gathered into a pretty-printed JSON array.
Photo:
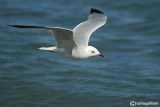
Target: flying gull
[{"x": 74, "y": 43}]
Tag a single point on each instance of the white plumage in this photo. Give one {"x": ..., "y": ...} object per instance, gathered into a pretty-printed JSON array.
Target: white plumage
[{"x": 74, "y": 43}]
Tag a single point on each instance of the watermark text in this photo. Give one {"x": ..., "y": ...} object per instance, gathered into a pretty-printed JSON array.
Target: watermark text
[{"x": 144, "y": 103}]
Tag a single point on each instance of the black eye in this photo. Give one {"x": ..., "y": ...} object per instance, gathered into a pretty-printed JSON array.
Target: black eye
[{"x": 92, "y": 51}]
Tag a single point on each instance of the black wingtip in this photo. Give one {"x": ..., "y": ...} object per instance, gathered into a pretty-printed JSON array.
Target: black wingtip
[
  {"x": 19, "y": 26},
  {"x": 95, "y": 11},
  {"x": 23, "y": 26}
]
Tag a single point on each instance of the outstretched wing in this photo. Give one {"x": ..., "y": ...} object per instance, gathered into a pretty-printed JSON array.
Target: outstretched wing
[
  {"x": 64, "y": 37},
  {"x": 82, "y": 32}
]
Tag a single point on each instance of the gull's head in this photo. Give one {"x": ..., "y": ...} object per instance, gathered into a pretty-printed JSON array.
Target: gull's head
[{"x": 94, "y": 52}]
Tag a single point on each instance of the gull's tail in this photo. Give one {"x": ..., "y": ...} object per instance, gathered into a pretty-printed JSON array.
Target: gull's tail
[{"x": 48, "y": 48}]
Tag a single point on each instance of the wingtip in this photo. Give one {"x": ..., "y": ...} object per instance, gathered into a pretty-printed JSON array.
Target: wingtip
[
  {"x": 96, "y": 11},
  {"x": 13, "y": 25}
]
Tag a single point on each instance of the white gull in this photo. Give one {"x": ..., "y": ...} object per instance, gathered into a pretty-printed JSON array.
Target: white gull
[{"x": 74, "y": 43}]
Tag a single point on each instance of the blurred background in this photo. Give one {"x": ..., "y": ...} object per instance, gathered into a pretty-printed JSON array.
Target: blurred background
[{"x": 130, "y": 40}]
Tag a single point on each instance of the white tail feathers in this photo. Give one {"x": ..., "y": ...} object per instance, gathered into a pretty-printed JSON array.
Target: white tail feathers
[{"x": 47, "y": 48}]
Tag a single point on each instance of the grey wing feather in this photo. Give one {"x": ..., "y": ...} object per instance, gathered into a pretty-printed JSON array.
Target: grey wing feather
[
  {"x": 64, "y": 37},
  {"x": 82, "y": 32}
]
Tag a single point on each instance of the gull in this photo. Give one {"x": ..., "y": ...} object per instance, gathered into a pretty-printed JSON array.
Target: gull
[{"x": 74, "y": 43}]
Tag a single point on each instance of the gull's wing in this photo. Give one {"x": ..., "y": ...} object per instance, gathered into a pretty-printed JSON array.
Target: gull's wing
[
  {"x": 82, "y": 32},
  {"x": 64, "y": 37}
]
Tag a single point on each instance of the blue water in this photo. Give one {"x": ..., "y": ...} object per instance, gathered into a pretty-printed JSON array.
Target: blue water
[{"x": 130, "y": 40}]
